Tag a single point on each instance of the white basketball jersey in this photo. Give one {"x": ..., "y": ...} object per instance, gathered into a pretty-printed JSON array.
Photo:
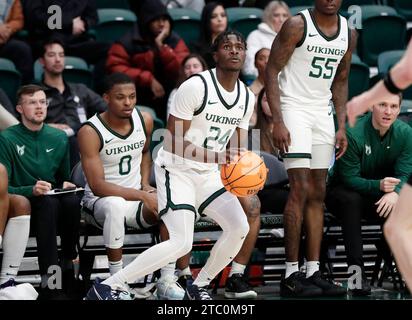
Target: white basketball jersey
[
  {"x": 121, "y": 156},
  {"x": 215, "y": 120},
  {"x": 306, "y": 80}
]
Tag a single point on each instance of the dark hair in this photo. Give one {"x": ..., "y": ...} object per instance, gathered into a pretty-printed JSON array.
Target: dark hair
[
  {"x": 205, "y": 37},
  {"x": 29, "y": 89},
  {"x": 224, "y": 36},
  {"x": 182, "y": 76},
  {"x": 259, "y": 51},
  {"x": 50, "y": 41},
  {"x": 115, "y": 78}
]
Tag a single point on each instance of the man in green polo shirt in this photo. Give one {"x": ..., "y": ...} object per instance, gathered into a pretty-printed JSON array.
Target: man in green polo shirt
[
  {"x": 366, "y": 181},
  {"x": 36, "y": 157}
]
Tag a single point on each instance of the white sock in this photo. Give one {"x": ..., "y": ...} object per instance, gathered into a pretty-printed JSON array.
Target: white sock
[
  {"x": 291, "y": 267},
  {"x": 168, "y": 270},
  {"x": 115, "y": 266},
  {"x": 311, "y": 268},
  {"x": 237, "y": 268},
  {"x": 1, "y": 239},
  {"x": 203, "y": 279},
  {"x": 16, "y": 235},
  {"x": 185, "y": 272}
]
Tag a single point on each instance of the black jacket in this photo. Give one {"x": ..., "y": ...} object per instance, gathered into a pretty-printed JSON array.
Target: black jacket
[
  {"x": 65, "y": 108},
  {"x": 37, "y": 17}
]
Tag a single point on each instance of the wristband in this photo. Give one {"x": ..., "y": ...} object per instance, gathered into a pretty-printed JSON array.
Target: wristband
[{"x": 390, "y": 86}]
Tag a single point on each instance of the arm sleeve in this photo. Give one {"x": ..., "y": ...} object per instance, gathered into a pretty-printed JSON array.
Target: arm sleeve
[
  {"x": 350, "y": 171},
  {"x": 403, "y": 165},
  {"x": 188, "y": 98},
  {"x": 244, "y": 124},
  {"x": 89, "y": 14}
]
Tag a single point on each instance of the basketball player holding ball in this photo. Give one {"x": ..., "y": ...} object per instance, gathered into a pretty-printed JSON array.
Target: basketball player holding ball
[{"x": 209, "y": 108}]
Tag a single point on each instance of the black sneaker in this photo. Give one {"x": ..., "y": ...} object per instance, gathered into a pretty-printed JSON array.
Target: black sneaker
[
  {"x": 296, "y": 285},
  {"x": 193, "y": 292},
  {"x": 237, "y": 287},
  {"x": 185, "y": 280},
  {"x": 329, "y": 288},
  {"x": 365, "y": 289}
]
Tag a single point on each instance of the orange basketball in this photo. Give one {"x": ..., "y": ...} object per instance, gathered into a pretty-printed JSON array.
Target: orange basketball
[{"x": 246, "y": 176}]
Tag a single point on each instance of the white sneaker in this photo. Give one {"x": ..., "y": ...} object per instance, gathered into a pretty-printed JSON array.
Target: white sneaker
[
  {"x": 169, "y": 289},
  {"x": 278, "y": 233}
]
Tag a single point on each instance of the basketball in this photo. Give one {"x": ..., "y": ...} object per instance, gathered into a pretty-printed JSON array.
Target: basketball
[{"x": 246, "y": 176}]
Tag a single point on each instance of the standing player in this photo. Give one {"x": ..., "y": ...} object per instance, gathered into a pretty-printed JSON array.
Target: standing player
[
  {"x": 311, "y": 55},
  {"x": 398, "y": 228},
  {"x": 209, "y": 108},
  {"x": 115, "y": 156}
]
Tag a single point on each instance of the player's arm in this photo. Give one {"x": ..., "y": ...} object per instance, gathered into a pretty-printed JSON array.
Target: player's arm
[
  {"x": 146, "y": 165},
  {"x": 176, "y": 143},
  {"x": 282, "y": 49},
  {"x": 189, "y": 98},
  {"x": 340, "y": 94},
  {"x": 89, "y": 145}
]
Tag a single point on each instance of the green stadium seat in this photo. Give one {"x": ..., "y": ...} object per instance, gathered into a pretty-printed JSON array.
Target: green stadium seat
[
  {"x": 406, "y": 111},
  {"x": 112, "y": 4},
  {"x": 113, "y": 24},
  {"x": 298, "y": 3},
  {"x": 10, "y": 78},
  {"x": 391, "y": 35},
  {"x": 76, "y": 70},
  {"x": 186, "y": 23},
  {"x": 295, "y": 10},
  {"x": 403, "y": 7},
  {"x": 387, "y": 60},
  {"x": 347, "y": 3},
  {"x": 244, "y": 20},
  {"x": 358, "y": 77}
]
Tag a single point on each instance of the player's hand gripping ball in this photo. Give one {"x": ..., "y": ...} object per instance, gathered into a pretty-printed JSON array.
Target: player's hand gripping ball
[{"x": 245, "y": 176}]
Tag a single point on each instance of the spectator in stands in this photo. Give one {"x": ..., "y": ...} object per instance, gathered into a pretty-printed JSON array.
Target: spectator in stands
[
  {"x": 78, "y": 17},
  {"x": 192, "y": 64},
  {"x": 261, "y": 60},
  {"x": 366, "y": 181},
  {"x": 11, "y": 21},
  {"x": 150, "y": 54},
  {"x": 69, "y": 104},
  {"x": 14, "y": 230},
  {"x": 213, "y": 21},
  {"x": 274, "y": 15},
  {"x": 37, "y": 160}
]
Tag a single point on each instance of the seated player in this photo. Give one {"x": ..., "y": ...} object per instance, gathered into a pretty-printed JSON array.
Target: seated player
[{"x": 115, "y": 155}]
